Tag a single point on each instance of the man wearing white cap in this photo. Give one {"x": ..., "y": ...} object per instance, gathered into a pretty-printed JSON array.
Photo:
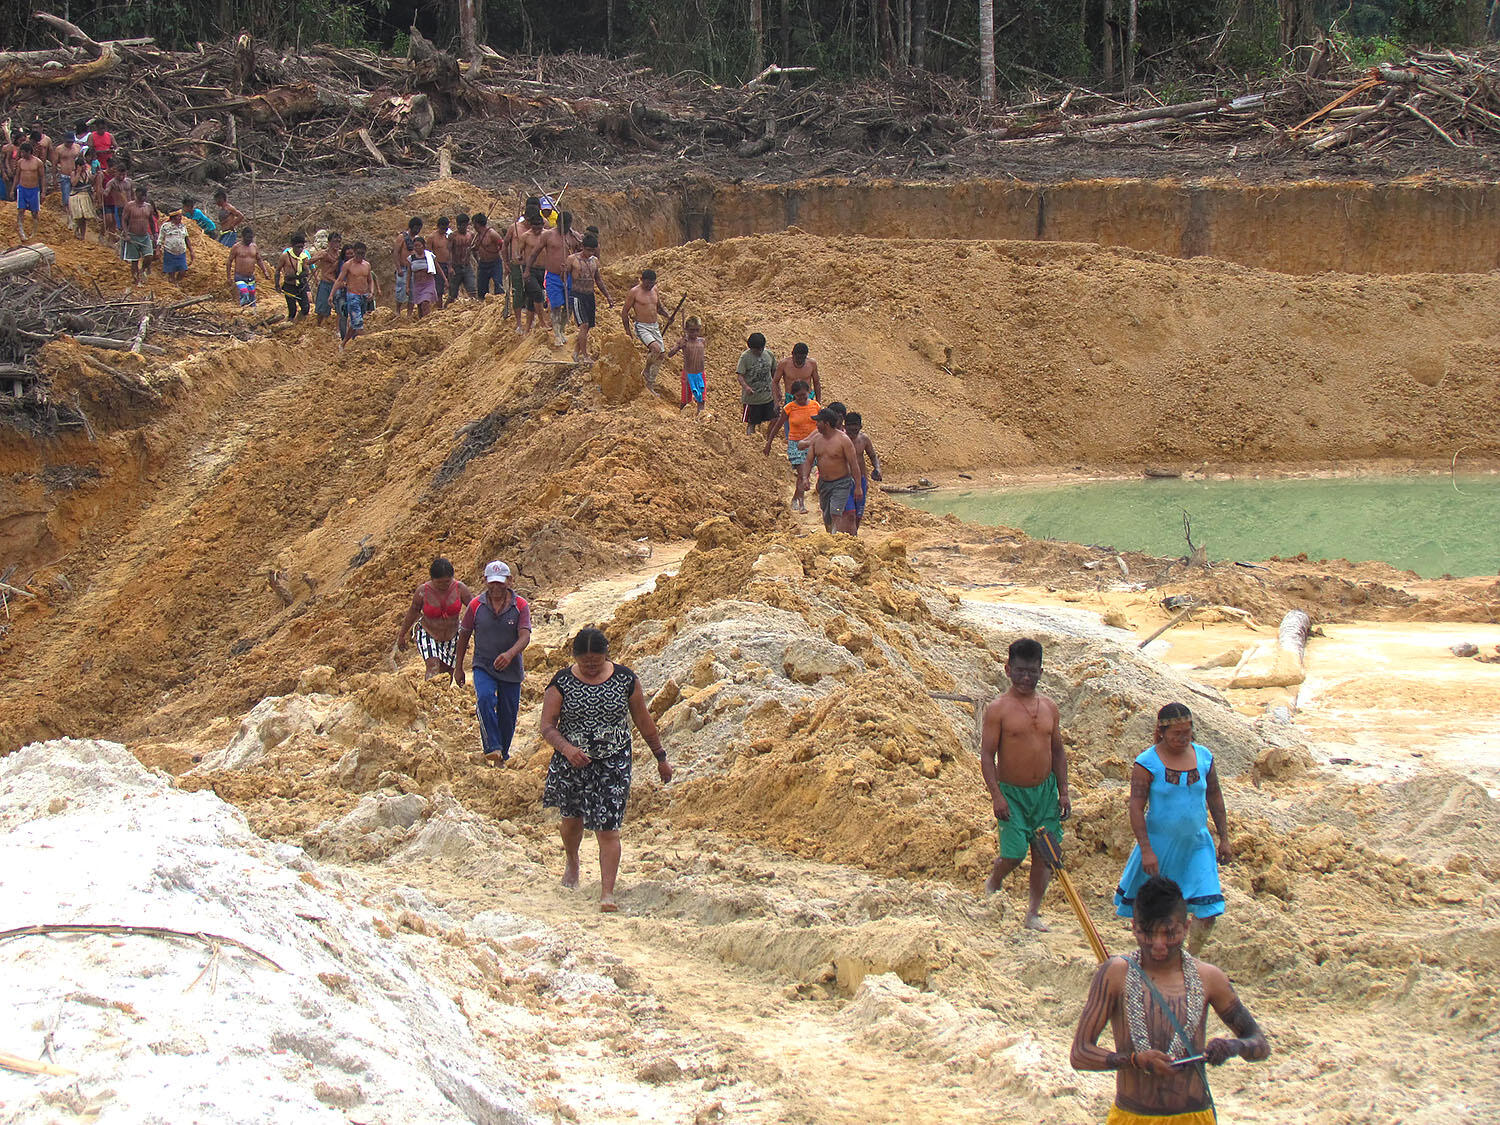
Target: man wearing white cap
[{"x": 499, "y": 620}]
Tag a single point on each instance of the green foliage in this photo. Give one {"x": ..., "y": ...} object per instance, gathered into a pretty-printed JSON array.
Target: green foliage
[
  {"x": 178, "y": 24},
  {"x": 1430, "y": 21},
  {"x": 1368, "y": 50}
]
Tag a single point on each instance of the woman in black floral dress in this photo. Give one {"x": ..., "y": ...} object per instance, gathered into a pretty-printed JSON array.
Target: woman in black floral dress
[{"x": 586, "y": 715}]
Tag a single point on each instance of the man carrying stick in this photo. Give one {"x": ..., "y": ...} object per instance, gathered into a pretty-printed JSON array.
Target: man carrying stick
[
  {"x": 1026, "y": 771},
  {"x": 1156, "y": 1002}
]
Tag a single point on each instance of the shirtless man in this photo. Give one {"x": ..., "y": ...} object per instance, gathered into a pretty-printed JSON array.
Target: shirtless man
[
  {"x": 583, "y": 278},
  {"x": 325, "y": 263},
  {"x": 1145, "y": 998},
  {"x": 644, "y": 303},
  {"x": 461, "y": 265},
  {"x": 550, "y": 250},
  {"x": 139, "y": 245},
  {"x": 30, "y": 176},
  {"x": 41, "y": 144},
  {"x": 526, "y": 247},
  {"x": 838, "y": 479},
  {"x": 63, "y": 155},
  {"x": 512, "y": 261},
  {"x": 118, "y": 191},
  {"x": 694, "y": 349},
  {"x": 401, "y": 251},
  {"x": 230, "y": 218},
  {"x": 796, "y": 366},
  {"x": 488, "y": 245},
  {"x": 854, "y": 426},
  {"x": 1024, "y": 767},
  {"x": 357, "y": 282},
  {"x": 441, "y": 248},
  {"x": 244, "y": 260}
]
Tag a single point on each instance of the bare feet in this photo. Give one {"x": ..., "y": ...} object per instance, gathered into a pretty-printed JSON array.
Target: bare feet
[
  {"x": 1034, "y": 922},
  {"x": 570, "y": 876},
  {"x": 607, "y": 904},
  {"x": 991, "y": 885}
]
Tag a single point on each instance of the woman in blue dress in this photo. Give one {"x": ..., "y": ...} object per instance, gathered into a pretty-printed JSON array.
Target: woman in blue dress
[{"x": 1174, "y": 788}]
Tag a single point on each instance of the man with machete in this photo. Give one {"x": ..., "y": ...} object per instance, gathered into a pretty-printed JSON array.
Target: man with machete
[
  {"x": 1156, "y": 1002},
  {"x": 1026, "y": 771}
]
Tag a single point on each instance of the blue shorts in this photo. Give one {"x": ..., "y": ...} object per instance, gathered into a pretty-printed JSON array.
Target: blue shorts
[
  {"x": 173, "y": 263},
  {"x": 402, "y": 288},
  {"x": 29, "y": 199},
  {"x": 557, "y": 291},
  {"x": 229, "y": 238},
  {"x": 320, "y": 301},
  {"x": 356, "y": 312},
  {"x": 796, "y": 456},
  {"x": 858, "y": 506},
  {"x": 694, "y": 387}
]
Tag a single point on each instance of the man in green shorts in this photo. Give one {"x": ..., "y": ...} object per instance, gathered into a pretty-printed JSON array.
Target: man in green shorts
[{"x": 1025, "y": 769}]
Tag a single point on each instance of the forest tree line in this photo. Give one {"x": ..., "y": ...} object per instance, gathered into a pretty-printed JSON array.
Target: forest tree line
[{"x": 1105, "y": 42}]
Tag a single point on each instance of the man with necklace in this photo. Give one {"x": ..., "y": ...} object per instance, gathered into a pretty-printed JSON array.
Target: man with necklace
[
  {"x": 1156, "y": 1002},
  {"x": 1026, "y": 771}
]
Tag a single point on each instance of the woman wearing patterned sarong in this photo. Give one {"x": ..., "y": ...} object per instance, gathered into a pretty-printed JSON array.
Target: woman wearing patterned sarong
[
  {"x": 432, "y": 618},
  {"x": 586, "y": 714},
  {"x": 1174, "y": 787}
]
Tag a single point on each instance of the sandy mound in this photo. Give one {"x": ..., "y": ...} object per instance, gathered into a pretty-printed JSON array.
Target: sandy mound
[
  {"x": 353, "y": 1024},
  {"x": 1015, "y": 353},
  {"x": 344, "y": 477}
]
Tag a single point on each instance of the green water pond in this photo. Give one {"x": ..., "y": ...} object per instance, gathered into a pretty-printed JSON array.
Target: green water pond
[{"x": 1430, "y": 524}]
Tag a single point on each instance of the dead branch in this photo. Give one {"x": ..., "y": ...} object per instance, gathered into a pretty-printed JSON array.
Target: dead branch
[{"x": 136, "y": 931}]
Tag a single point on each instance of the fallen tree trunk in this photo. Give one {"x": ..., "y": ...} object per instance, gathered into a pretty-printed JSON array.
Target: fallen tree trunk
[
  {"x": 288, "y": 103},
  {"x": 26, "y": 257},
  {"x": 110, "y": 343},
  {"x": 1286, "y": 663},
  {"x": 24, "y": 77}
]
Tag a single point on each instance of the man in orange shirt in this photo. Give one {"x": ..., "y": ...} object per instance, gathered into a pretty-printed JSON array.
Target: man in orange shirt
[{"x": 798, "y": 416}]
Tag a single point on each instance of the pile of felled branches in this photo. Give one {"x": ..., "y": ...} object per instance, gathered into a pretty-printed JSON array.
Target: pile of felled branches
[
  {"x": 238, "y": 106},
  {"x": 1450, "y": 97},
  {"x": 36, "y": 308}
]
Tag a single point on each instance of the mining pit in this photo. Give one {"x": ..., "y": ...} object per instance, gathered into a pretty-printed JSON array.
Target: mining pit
[{"x": 211, "y": 572}]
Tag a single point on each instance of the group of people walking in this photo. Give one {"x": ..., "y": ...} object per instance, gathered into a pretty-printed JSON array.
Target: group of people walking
[
  {"x": 587, "y": 708},
  {"x": 1155, "y": 999}
]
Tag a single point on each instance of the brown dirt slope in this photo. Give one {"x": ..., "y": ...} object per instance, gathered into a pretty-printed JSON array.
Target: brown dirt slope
[
  {"x": 1013, "y": 353},
  {"x": 346, "y": 475}
]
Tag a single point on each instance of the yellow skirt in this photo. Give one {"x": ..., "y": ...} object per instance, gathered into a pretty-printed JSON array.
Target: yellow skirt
[{"x": 1118, "y": 1116}]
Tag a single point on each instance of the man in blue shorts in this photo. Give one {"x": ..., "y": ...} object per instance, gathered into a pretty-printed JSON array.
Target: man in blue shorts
[
  {"x": 31, "y": 186},
  {"x": 1026, "y": 771},
  {"x": 864, "y": 450}
]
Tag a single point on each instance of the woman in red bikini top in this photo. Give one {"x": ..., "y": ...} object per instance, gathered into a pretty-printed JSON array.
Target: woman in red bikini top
[{"x": 432, "y": 618}]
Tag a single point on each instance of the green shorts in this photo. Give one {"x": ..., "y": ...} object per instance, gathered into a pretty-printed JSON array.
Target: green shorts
[{"x": 1030, "y": 809}]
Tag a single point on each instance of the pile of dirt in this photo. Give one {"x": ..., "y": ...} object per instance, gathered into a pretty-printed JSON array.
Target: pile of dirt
[
  {"x": 977, "y": 355},
  {"x": 342, "y": 475},
  {"x": 994, "y": 561},
  {"x": 286, "y": 966},
  {"x": 791, "y": 677}
]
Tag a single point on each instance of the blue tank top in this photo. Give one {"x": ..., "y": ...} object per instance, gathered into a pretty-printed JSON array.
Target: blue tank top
[{"x": 1178, "y": 805}]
